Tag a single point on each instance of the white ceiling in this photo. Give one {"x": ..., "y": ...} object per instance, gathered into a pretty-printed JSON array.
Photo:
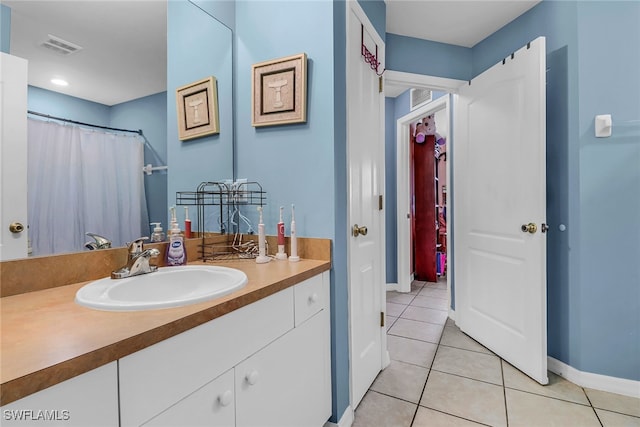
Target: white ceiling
[
  {"x": 458, "y": 22},
  {"x": 124, "y": 46},
  {"x": 124, "y": 42}
]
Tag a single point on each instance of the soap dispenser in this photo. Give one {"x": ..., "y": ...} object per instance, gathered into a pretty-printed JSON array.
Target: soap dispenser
[
  {"x": 158, "y": 234},
  {"x": 176, "y": 251}
]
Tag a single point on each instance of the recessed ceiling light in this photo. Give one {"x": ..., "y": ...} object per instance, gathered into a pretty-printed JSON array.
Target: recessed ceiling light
[{"x": 59, "y": 82}]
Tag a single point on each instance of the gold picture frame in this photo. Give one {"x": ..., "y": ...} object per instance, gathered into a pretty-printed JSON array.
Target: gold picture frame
[
  {"x": 197, "y": 109},
  {"x": 279, "y": 91}
]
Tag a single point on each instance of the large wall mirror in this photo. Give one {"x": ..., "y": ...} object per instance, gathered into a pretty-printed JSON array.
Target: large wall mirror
[{"x": 118, "y": 77}]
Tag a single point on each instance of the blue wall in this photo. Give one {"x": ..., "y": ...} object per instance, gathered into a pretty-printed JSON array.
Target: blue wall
[
  {"x": 222, "y": 10},
  {"x": 68, "y": 107},
  {"x": 5, "y": 29},
  {"x": 198, "y": 46},
  {"x": 428, "y": 57},
  {"x": 149, "y": 114},
  {"x": 609, "y": 177},
  {"x": 297, "y": 163},
  {"x": 592, "y": 268}
]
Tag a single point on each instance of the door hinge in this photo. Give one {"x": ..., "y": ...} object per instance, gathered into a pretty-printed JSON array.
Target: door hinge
[
  {"x": 381, "y": 319},
  {"x": 380, "y": 84},
  {"x": 380, "y": 202}
]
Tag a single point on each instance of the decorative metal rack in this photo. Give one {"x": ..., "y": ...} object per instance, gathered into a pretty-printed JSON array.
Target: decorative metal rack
[{"x": 228, "y": 197}]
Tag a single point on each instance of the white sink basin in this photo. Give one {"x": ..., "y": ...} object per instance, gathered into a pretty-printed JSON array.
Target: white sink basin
[{"x": 167, "y": 287}]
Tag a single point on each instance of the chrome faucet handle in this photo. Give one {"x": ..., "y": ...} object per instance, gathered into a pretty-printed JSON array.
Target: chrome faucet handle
[
  {"x": 100, "y": 242},
  {"x": 137, "y": 246}
]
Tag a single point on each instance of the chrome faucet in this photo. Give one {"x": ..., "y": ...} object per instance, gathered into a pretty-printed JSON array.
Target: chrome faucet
[
  {"x": 138, "y": 262},
  {"x": 98, "y": 243}
]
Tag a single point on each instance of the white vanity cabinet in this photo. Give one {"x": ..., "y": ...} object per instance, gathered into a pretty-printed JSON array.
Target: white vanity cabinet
[
  {"x": 285, "y": 384},
  {"x": 90, "y": 399},
  {"x": 265, "y": 364}
]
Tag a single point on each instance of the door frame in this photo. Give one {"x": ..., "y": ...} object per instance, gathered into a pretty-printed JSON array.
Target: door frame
[
  {"x": 403, "y": 192},
  {"x": 403, "y": 195},
  {"x": 353, "y": 6}
]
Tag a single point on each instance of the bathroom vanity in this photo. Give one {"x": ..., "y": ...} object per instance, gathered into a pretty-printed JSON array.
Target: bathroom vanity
[{"x": 259, "y": 356}]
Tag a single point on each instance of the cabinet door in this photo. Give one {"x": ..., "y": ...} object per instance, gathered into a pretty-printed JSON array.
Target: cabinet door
[
  {"x": 213, "y": 405},
  {"x": 286, "y": 383},
  {"x": 88, "y": 400}
]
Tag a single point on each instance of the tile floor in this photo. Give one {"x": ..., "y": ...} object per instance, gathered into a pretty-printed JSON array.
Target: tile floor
[{"x": 438, "y": 376}]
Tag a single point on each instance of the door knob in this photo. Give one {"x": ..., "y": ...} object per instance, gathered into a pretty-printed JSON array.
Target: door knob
[
  {"x": 529, "y": 228},
  {"x": 359, "y": 230},
  {"x": 16, "y": 227}
]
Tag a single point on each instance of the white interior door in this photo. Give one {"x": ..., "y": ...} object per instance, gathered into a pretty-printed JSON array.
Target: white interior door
[
  {"x": 499, "y": 178},
  {"x": 365, "y": 118},
  {"x": 13, "y": 157}
]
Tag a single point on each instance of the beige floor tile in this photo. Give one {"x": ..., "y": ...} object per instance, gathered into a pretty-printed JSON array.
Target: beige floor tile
[
  {"x": 431, "y": 302},
  {"x": 470, "y": 399},
  {"x": 390, "y": 321},
  {"x": 434, "y": 292},
  {"x": 400, "y": 298},
  {"x": 614, "y": 402},
  {"x": 614, "y": 419},
  {"x": 424, "y": 314},
  {"x": 401, "y": 380},
  {"x": 558, "y": 387},
  {"x": 426, "y": 417},
  {"x": 470, "y": 364},
  {"x": 394, "y": 309},
  {"x": 526, "y": 409},
  {"x": 416, "y": 287},
  {"x": 411, "y": 351},
  {"x": 376, "y": 409},
  {"x": 429, "y": 332},
  {"x": 452, "y": 336}
]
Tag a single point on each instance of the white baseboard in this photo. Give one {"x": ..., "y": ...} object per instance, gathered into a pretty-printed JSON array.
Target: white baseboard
[
  {"x": 452, "y": 314},
  {"x": 596, "y": 381},
  {"x": 392, "y": 287},
  {"x": 345, "y": 421},
  {"x": 386, "y": 359}
]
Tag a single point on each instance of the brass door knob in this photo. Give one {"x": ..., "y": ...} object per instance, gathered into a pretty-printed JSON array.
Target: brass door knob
[
  {"x": 529, "y": 228},
  {"x": 357, "y": 231},
  {"x": 16, "y": 227}
]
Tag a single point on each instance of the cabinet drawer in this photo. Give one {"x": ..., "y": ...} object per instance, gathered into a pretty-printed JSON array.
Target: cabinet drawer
[
  {"x": 213, "y": 405},
  {"x": 90, "y": 399},
  {"x": 310, "y": 298}
]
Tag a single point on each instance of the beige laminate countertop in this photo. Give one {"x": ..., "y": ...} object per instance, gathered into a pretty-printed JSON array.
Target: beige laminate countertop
[{"x": 47, "y": 338}]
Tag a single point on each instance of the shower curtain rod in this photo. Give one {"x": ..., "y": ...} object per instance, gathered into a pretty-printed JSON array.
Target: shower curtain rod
[{"x": 139, "y": 131}]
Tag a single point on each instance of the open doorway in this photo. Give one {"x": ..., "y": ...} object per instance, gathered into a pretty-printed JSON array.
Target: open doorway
[{"x": 422, "y": 178}]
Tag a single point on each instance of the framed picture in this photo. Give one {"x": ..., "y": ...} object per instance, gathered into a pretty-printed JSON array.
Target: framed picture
[
  {"x": 197, "y": 107},
  {"x": 279, "y": 91}
]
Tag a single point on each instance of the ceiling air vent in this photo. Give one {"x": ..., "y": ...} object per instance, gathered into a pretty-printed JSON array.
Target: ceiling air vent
[
  {"x": 61, "y": 46},
  {"x": 419, "y": 97}
]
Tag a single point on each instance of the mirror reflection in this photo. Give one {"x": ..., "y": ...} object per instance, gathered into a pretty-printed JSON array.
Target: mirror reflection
[{"x": 117, "y": 77}]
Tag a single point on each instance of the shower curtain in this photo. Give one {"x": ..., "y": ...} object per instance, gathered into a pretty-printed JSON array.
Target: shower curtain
[{"x": 83, "y": 180}]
